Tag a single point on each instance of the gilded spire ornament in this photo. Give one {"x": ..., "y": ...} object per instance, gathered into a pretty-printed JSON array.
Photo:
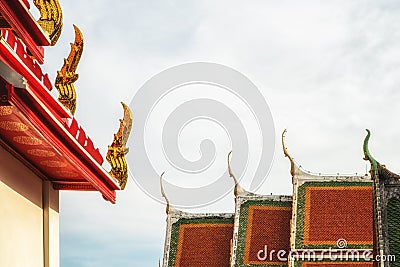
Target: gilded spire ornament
[
  {"x": 117, "y": 151},
  {"x": 51, "y": 19},
  {"x": 286, "y": 153},
  {"x": 66, "y": 76},
  {"x": 238, "y": 189},
  {"x": 163, "y": 192}
]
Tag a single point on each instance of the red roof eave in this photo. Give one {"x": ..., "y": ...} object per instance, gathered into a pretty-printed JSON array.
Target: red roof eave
[
  {"x": 20, "y": 19},
  {"x": 62, "y": 140},
  {"x": 37, "y": 104}
]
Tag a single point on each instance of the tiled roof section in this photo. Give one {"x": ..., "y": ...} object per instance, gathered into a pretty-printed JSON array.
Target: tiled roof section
[
  {"x": 386, "y": 175},
  {"x": 204, "y": 244},
  {"x": 262, "y": 231},
  {"x": 332, "y": 211},
  {"x": 393, "y": 215},
  {"x": 201, "y": 241},
  {"x": 261, "y": 226}
]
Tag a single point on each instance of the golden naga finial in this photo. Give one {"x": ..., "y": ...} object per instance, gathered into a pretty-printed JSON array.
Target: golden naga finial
[
  {"x": 163, "y": 192},
  {"x": 66, "y": 76},
  {"x": 292, "y": 164},
  {"x": 51, "y": 19},
  {"x": 238, "y": 189},
  {"x": 117, "y": 151}
]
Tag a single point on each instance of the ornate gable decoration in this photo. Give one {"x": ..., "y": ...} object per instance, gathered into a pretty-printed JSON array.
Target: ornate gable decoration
[
  {"x": 197, "y": 239},
  {"x": 117, "y": 151},
  {"x": 51, "y": 19},
  {"x": 386, "y": 204},
  {"x": 36, "y": 128},
  {"x": 261, "y": 225},
  {"x": 66, "y": 76},
  {"x": 330, "y": 212}
]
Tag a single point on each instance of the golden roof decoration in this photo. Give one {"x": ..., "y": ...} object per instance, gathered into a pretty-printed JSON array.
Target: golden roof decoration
[
  {"x": 286, "y": 153},
  {"x": 117, "y": 150},
  {"x": 238, "y": 189},
  {"x": 66, "y": 76},
  {"x": 51, "y": 18},
  {"x": 163, "y": 193}
]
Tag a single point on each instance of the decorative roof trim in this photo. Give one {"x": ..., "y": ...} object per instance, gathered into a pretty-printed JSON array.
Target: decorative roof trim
[
  {"x": 163, "y": 193},
  {"x": 382, "y": 178},
  {"x": 66, "y": 76},
  {"x": 21, "y": 20},
  {"x": 238, "y": 191},
  {"x": 299, "y": 175},
  {"x": 241, "y": 200},
  {"x": 379, "y": 169},
  {"x": 170, "y": 210},
  {"x": 367, "y": 154},
  {"x": 117, "y": 150},
  {"x": 173, "y": 218},
  {"x": 51, "y": 19},
  {"x": 39, "y": 107},
  {"x": 285, "y": 151}
]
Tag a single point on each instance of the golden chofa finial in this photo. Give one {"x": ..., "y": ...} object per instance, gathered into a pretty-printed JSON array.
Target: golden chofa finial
[
  {"x": 163, "y": 192},
  {"x": 51, "y": 19},
  {"x": 117, "y": 151},
  {"x": 66, "y": 76},
  {"x": 238, "y": 189},
  {"x": 292, "y": 164}
]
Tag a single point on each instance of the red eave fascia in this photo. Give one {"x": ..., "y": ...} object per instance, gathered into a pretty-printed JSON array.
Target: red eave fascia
[
  {"x": 56, "y": 133},
  {"x": 48, "y": 116},
  {"x": 20, "y": 19},
  {"x": 12, "y": 60}
]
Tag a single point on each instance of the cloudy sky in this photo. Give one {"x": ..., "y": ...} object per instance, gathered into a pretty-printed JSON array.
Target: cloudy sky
[{"x": 327, "y": 69}]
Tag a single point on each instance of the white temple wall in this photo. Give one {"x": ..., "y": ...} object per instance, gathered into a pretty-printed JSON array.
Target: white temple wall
[{"x": 29, "y": 220}]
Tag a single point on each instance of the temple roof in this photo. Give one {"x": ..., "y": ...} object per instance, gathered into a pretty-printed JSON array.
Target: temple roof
[
  {"x": 330, "y": 211},
  {"x": 35, "y": 127},
  {"x": 262, "y": 224},
  {"x": 196, "y": 239},
  {"x": 326, "y": 213},
  {"x": 378, "y": 168},
  {"x": 16, "y": 15},
  {"x": 299, "y": 175},
  {"x": 51, "y": 144},
  {"x": 387, "y": 204}
]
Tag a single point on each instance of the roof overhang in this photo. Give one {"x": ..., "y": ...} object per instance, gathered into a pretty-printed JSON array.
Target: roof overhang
[
  {"x": 39, "y": 131},
  {"x": 16, "y": 13}
]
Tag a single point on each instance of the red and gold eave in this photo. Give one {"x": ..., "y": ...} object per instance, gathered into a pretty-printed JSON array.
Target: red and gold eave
[
  {"x": 14, "y": 14},
  {"x": 34, "y": 126}
]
